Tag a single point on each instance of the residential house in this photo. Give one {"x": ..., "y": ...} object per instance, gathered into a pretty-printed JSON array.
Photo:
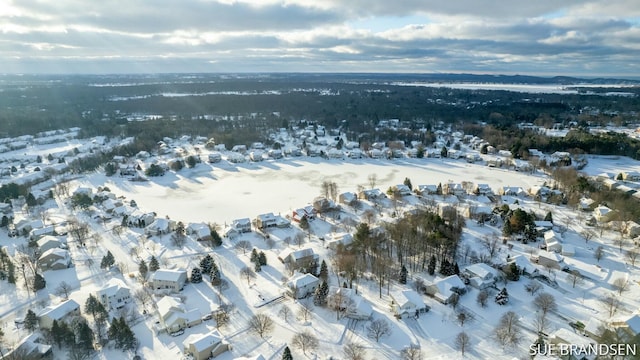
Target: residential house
[
  {"x": 60, "y": 312},
  {"x": 344, "y": 239},
  {"x": 549, "y": 259},
  {"x": 512, "y": 191},
  {"x": 114, "y": 295},
  {"x": 522, "y": 262},
  {"x": 407, "y": 303},
  {"x": 453, "y": 189},
  {"x": 594, "y": 328},
  {"x": 577, "y": 342},
  {"x": 347, "y": 198},
  {"x": 371, "y": 194},
  {"x": 302, "y": 285},
  {"x": 199, "y": 231},
  {"x": 6, "y": 210},
  {"x": 568, "y": 250},
  {"x": 307, "y": 212},
  {"x": 402, "y": 190},
  {"x": 296, "y": 259},
  {"x": 267, "y": 220},
  {"x": 347, "y": 300},
  {"x": 32, "y": 347},
  {"x": 49, "y": 242},
  {"x": 603, "y": 213},
  {"x": 480, "y": 275},
  {"x": 242, "y": 225},
  {"x": 38, "y": 233},
  {"x": 174, "y": 315},
  {"x": 160, "y": 226},
  {"x": 215, "y": 157},
  {"x": 173, "y": 280},
  {"x": 552, "y": 241},
  {"x": 631, "y": 176},
  {"x": 202, "y": 347},
  {"x": 427, "y": 189},
  {"x": 444, "y": 289},
  {"x": 482, "y": 189},
  {"x": 54, "y": 259}
]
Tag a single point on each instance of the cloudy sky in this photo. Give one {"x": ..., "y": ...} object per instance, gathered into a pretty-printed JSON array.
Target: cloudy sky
[{"x": 538, "y": 37}]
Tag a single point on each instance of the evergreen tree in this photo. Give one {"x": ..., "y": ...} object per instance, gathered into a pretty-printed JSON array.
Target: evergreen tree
[
  {"x": 39, "y": 282},
  {"x": 286, "y": 354},
  {"x": 403, "y": 275},
  {"x": 68, "y": 335},
  {"x": 217, "y": 240},
  {"x": 549, "y": 217},
  {"x": 506, "y": 228},
  {"x": 407, "y": 182},
  {"x": 5, "y": 221},
  {"x": 31, "y": 200},
  {"x": 324, "y": 271},
  {"x": 320, "y": 296},
  {"x": 142, "y": 267},
  {"x": 503, "y": 297},
  {"x": 444, "y": 267},
  {"x": 121, "y": 334},
  {"x": 254, "y": 256},
  {"x": 153, "y": 264},
  {"x": 56, "y": 333},
  {"x": 205, "y": 264},
  {"x": 196, "y": 275},
  {"x": 439, "y": 189},
  {"x": 431, "y": 268},
  {"x": 94, "y": 307},
  {"x": 30, "y": 320},
  {"x": 513, "y": 274},
  {"x": 257, "y": 267},
  {"x": 107, "y": 261},
  {"x": 456, "y": 269},
  {"x": 215, "y": 274},
  {"x": 420, "y": 153},
  {"x": 262, "y": 258},
  {"x": 85, "y": 336}
]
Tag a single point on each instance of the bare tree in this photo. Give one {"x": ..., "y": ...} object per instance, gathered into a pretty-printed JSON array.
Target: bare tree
[
  {"x": 298, "y": 239},
  {"x": 599, "y": 253},
  {"x": 248, "y": 274},
  {"x": 632, "y": 256},
  {"x": 63, "y": 290},
  {"x": 373, "y": 179},
  {"x": 305, "y": 311},
  {"x": 243, "y": 245},
  {"x": 411, "y": 352},
  {"x": 620, "y": 242},
  {"x": 79, "y": 231},
  {"x": 464, "y": 316},
  {"x": 610, "y": 303},
  {"x": 261, "y": 324},
  {"x": 285, "y": 312},
  {"x": 491, "y": 243},
  {"x": 533, "y": 287},
  {"x": 221, "y": 316},
  {"x": 353, "y": 351},
  {"x": 378, "y": 328},
  {"x": 462, "y": 342},
  {"x": 305, "y": 341},
  {"x": 482, "y": 298},
  {"x": 621, "y": 285},
  {"x": 588, "y": 235},
  {"x": 545, "y": 302},
  {"x": 540, "y": 322},
  {"x": 508, "y": 330},
  {"x": 143, "y": 296},
  {"x": 465, "y": 252},
  {"x": 575, "y": 278}
]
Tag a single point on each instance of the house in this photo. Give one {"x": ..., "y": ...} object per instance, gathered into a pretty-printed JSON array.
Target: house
[
  {"x": 427, "y": 189},
  {"x": 347, "y": 198},
  {"x": 407, "y": 303},
  {"x": 36, "y": 234},
  {"x": 49, "y": 242},
  {"x": 60, "y": 312},
  {"x": 296, "y": 259},
  {"x": 174, "y": 315},
  {"x": 307, "y": 212},
  {"x": 443, "y": 289},
  {"x": 481, "y": 275},
  {"x": 32, "y": 347},
  {"x": 512, "y": 191},
  {"x": 267, "y": 220},
  {"x": 453, "y": 189},
  {"x": 160, "y": 226},
  {"x": 553, "y": 241},
  {"x": 371, "y": 195},
  {"x": 603, "y": 213},
  {"x": 202, "y": 347},
  {"x": 568, "y": 338},
  {"x": 199, "y": 231},
  {"x": 322, "y": 205},
  {"x": 594, "y": 328},
  {"x": 242, "y": 225},
  {"x": 522, "y": 262},
  {"x": 173, "y": 280},
  {"x": 633, "y": 325},
  {"x": 482, "y": 189},
  {"x": 353, "y": 305},
  {"x": 302, "y": 285},
  {"x": 402, "y": 190},
  {"x": 631, "y": 176},
  {"x": 256, "y": 155},
  {"x": 568, "y": 250},
  {"x": 549, "y": 259},
  {"x": 215, "y": 157},
  {"x": 114, "y": 295},
  {"x": 54, "y": 259},
  {"x": 140, "y": 219},
  {"x": 344, "y": 239},
  {"x": 6, "y": 210}
]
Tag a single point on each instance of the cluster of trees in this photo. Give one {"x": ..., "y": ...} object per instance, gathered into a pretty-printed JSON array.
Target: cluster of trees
[{"x": 258, "y": 259}]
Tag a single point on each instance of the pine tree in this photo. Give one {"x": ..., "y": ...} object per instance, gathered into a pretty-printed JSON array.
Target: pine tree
[
  {"x": 31, "y": 200},
  {"x": 107, "y": 261},
  {"x": 196, "y": 275},
  {"x": 407, "y": 182},
  {"x": 39, "y": 282},
  {"x": 56, "y": 333},
  {"x": 85, "y": 336},
  {"x": 205, "y": 264},
  {"x": 94, "y": 307},
  {"x": 403, "y": 275},
  {"x": 320, "y": 296},
  {"x": 286, "y": 354},
  {"x": 262, "y": 258},
  {"x": 142, "y": 267},
  {"x": 217, "y": 240},
  {"x": 215, "y": 274},
  {"x": 324, "y": 271},
  {"x": 506, "y": 228},
  {"x": 153, "y": 264},
  {"x": 254, "y": 256},
  {"x": 121, "y": 333},
  {"x": 30, "y": 320},
  {"x": 431, "y": 268},
  {"x": 257, "y": 267},
  {"x": 456, "y": 269},
  {"x": 549, "y": 217},
  {"x": 503, "y": 297},
  {"x": 444, "y": 267}
]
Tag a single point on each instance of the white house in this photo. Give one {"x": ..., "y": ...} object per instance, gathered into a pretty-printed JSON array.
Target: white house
[
  {"x": 32, "y": 347},
  {"x": 443, "y": 289},
  {"x": 295, "y": 259},
  {"x": 202, "y": 347},
  {"x": 174, "y": 315},
  {"x": 54, "y": 259},
  {"x": 602, "y": 213},
  {"x": 336, "y": 239},
  {"x": 114, "y": 295},
  {"x": 402, "y": 190},
  {"x": 58, "y": 313},
  {"x": 242, "y": 225},
  {"x": 407, "y": 303},
  {"x": 49, "y": 242},
  {"x": 160, "y": 226},
  {"x": 481, "y": 275},
  {"x": 302, "y": 285},
  {"x": 172, "y": 280},
  {"x": 549, "y": 259}
]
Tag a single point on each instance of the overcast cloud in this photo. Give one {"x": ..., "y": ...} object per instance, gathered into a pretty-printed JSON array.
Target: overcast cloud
[{"x": 541, "y": 37}]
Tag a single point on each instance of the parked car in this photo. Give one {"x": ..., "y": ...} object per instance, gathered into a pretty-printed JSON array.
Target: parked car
[{"x": 177, "y": 333}]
